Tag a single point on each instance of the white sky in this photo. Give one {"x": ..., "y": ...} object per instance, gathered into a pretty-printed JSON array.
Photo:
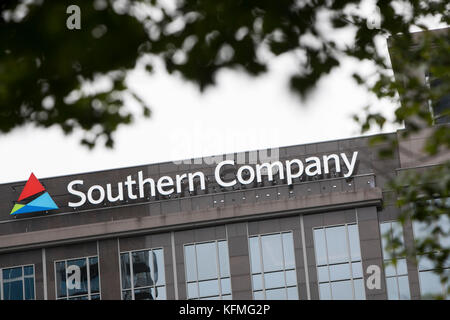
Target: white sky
[{"x": 239, "y": 114}]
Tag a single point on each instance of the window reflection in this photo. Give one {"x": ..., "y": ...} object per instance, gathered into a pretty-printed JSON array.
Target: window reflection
[
  {"x": 125, "y": 271},
  {"x": 320, "y": 247},
  {"x": 208, "y": 288},
  {"x": 77, "y": 279},
  {"x": 292, "y": 293},
  {"x": 206, "y": 264},
  {"x": 223, "y": 259},
  {"x": 342, "y": 290},
  {"x": 255, "y": 255},
  {"x": 396, "y": 275},
  {"x": 207, "y": 269},
  {"x": 272, "y": 262},
  {"x": 190, "y": 263},
  {"x": 276, "y": 294},
  {"x": 338, "y": 262},
  {"x": 94, "y": 275},
  {"x": 430, "y": 284},
  {"x": 273, "y": 279},
  {"x": 142, "y": 275},
  {"x": 288, "y": 245},
  {"x": 141, "y": 269},
  {"x": 440, "y": 105},
  {"x": 337, "y": 246},
  {"x": 429, "y": 280},
  {"x": 272, "y": 252},
  {"x": 17, "y": 283},
  {"x": 353, "y": 237}
]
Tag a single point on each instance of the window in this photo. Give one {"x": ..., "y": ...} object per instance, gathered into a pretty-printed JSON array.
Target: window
[
  {"x": 17, "y": 283},
  {"x": 272, "y": 262},
  {"x": 440, "y": 108},
  {"x": 142, "y": 275},
  {"x": 396, "y": 276},
  {"x": 77, "y": 279},
  {"x": 207, "y": 269},
  {"x": 429, "y": 280},
  {"x": 338, "y": 261}
]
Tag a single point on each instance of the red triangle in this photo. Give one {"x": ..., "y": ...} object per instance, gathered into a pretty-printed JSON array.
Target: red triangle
[{"x": 32, "y": 187}]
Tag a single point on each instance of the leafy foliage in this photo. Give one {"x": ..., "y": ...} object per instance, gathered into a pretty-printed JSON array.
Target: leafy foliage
[{"x": 44, "y": 66}]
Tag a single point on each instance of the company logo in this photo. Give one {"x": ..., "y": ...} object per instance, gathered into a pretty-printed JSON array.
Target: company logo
[{"x": 34, "y": 198}]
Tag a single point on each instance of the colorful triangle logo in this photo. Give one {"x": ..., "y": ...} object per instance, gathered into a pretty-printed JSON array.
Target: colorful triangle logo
[{"x": 42, "y": 203}]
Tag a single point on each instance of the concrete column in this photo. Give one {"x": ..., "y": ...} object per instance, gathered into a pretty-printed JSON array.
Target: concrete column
[
  {"x": 239, "y": 261},
  {"x": 108, "y": 252},
  {"x": 371, "y": 251}
]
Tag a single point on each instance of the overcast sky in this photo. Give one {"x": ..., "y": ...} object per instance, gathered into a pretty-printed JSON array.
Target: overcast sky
[{"x": 233, "y": 116}]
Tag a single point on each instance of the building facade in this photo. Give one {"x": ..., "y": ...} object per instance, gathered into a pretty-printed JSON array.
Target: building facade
[{"x": 299, "y": 222}]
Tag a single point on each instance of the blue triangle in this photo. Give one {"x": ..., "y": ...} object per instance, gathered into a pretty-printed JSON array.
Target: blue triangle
[
  {"x": 45, "y": 201},
  {"x": 28, "y": 209},
  {"x": 42, "y": 203}
]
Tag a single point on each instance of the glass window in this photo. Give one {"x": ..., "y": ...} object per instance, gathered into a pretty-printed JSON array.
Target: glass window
[
  {"x": 223, "y": 259},
  {"x": 342, "y": 290},
  {"x": 288, "y": 250},
  {"x": 272, "y": 262},
  {"x": 207, "y": 269},
  {"x": 255, "y": 255},
  {"x": 430, "y": 283},
  {"x": 142, "y": 275},
  {"x": 94, "y": 275},
  {"x": 17, "y": 283},
  {"x": 190, "y": 263},
  {"x": 272, "y": 252},
  {"x": 338, "y": 262},
  {"x": 320, "y": 247},
  {"x": 292, "y": 293},
  {"x": 360, "y": 293},
  {"x": 423, "y": 230},
  {"x": 429, "y": 280},
  {"x": 276, "y": 294},
  {"x": 77, "y": 279},
  {"x": 353, "y": 237},
  {"x": 337, "y": 246},
  {"x": 396, "y": 275},
  {"x": 325, "y": 291},
  {"x": 440, "y": 106}
]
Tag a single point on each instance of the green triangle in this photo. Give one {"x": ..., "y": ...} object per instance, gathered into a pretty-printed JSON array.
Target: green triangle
[{"x": 16, "y": 207}]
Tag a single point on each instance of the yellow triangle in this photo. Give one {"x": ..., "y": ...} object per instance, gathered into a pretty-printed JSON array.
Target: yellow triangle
[{"x": 16, "y": 207}]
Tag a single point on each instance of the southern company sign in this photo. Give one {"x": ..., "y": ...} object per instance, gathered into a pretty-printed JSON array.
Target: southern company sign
[
  {"x": 290, "y": 171},
  {"x": 34, "y": 197}
]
